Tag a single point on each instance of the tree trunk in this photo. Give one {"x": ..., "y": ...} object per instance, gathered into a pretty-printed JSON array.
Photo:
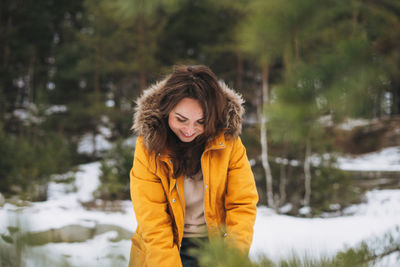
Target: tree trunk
[
  {"x": 307, "y": 174},
  {"x": 287, "y": 59},
  {"x": 96, "y": 94},
  {"x": 6, "y": 43},
  {"x": 239, "y": 76},
  {"x": 31, "y": 76},
  {"x": 283, "y": 178},
  {"x": 94, "y": 143},
  {"x": 395, "y": 108},
  {"x": 96, "y": 75},
  {"x": 355, "y": 16},
  {"x": 282, "y": 185},
  {"x": 263, "y": 135},
  {"x": 296, "y": 46},
  {"x": 142, "y": 74}
]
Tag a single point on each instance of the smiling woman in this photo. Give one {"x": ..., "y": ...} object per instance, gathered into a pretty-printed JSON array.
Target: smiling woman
[
  {"x": 186, "y": 120},
  {"x": 190, "y": 176}
]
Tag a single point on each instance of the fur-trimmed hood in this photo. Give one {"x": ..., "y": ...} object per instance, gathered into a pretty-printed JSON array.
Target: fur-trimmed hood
[{"x": 147, "y": 117}]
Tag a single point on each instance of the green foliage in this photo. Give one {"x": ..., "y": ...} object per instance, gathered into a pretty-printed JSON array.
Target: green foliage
[
  {"x": 114, "y": 177},
  {"x": 29, "y": 163},
  {"x": 367, "y": 253},
  {"x": 199, "y": 32},
  {"x": 271, "y": 27},
  {"x": 335, "y": 58},
  {"x": 331, "y": 186},
  {"x": 321, "y": 61},
  {"x": 332, "y": 189},
  {"x": 371, "y": 252},
  {"x": 251, "y": 139},
  {"x": 28, "y": 30},
  {"x": 328, "y": 56},
  {"x": 218, "y": 253},
  {"x": 107, "y": 57}
]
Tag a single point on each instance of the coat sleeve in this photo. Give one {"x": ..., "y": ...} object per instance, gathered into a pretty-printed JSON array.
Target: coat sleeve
[
  {"x": 150, "y": 205},
  {"x": 241, "y": 198}
]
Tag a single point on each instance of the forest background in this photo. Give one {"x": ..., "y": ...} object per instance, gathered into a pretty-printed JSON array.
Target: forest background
[{"x": 70, "y": 72}]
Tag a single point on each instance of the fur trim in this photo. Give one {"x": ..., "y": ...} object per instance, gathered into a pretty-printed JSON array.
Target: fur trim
[{"x": 147, "y": 117}]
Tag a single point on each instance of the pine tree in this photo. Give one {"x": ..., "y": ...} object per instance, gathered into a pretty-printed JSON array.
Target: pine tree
[{"x": 328, "y": 68}]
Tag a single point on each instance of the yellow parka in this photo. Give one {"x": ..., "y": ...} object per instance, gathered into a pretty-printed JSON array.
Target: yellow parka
[{"x": 230, "y": 194}]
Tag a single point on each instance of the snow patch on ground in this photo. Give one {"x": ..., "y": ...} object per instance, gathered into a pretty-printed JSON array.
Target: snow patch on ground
[
  {"x": 349, "y": 123},
  {"x": 65, "y": 208},
  {"x": 387, "y": 159},
  {"x": 379, "y": 203},
  {"x": 99, "y": 251},
  {"x": 277, "y": 236}
]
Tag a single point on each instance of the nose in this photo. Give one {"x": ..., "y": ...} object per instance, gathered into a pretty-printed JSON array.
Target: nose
[{"x": 190, "y": 129}]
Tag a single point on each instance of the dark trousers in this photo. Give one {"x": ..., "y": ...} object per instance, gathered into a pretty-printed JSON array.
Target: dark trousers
[{"x": 187, "y": 245}]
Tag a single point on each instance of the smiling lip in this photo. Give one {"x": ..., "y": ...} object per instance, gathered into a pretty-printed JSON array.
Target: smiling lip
[{"x": 187, "y": 136}]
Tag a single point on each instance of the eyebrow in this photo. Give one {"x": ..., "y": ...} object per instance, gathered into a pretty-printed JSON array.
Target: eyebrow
[{"x": 187, "y": 118}]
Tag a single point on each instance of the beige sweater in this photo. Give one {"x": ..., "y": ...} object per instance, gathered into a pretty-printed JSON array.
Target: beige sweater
[{"x": 195, "y": 223}]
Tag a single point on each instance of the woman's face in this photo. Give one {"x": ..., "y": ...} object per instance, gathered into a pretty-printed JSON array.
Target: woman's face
[{"x": 186, "y": 119}]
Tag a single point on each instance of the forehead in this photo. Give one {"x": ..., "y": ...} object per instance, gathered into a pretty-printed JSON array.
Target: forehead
[{"x": 190, "y": 108}]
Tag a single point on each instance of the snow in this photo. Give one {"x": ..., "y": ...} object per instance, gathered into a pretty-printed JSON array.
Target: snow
[
  {"x": 347, "y": 124},
  {"x": 351, "y": 123},
  {"x": 275, "y": 235},
  {"x": 86, "y": 145},
  {"x": 130, "y": 141},
  {"x": 101, "y": 143},
  {"x": 28, "y": 114},
  {"x": 387, "y": 159},
  {"x": 56, "y": 109},
  {"x": 99, "y": 251},
  {"x": 87, "y": 181},
  {"x": 380, "y": 203},
  {"x": 65, "y": 208}
]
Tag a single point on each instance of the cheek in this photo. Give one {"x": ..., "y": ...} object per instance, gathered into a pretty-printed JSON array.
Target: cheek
[
  {"x": 174, "y": 125},
  {"x": 201, "y": 128},
  {"x": 171, "y": 123}
]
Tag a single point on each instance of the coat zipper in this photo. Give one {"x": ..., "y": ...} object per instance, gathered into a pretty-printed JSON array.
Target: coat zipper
[
  {"x": 177, "y": 189},
  {"x": 204, "y": 185},
  {"x": 180, "y": 200},
  {"x": 183, "y": 210}
]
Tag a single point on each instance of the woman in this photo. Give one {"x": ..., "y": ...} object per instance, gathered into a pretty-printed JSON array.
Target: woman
[{"x": 190, "y": 177}]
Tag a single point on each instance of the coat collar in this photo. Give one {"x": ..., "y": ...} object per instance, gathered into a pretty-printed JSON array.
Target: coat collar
[
  {"x": 214, "y": 144},
  {"x": 147, "y": 117}
]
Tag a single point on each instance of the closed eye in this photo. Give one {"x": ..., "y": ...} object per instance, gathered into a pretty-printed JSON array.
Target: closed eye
[{"x": 180, "y": 120}]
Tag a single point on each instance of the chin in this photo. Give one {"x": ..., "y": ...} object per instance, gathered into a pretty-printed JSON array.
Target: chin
[{"x": 187, "y": 140}]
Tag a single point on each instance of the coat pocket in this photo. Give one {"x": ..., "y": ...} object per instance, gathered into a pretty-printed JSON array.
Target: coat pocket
[{"x": 138, "y": 256}]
